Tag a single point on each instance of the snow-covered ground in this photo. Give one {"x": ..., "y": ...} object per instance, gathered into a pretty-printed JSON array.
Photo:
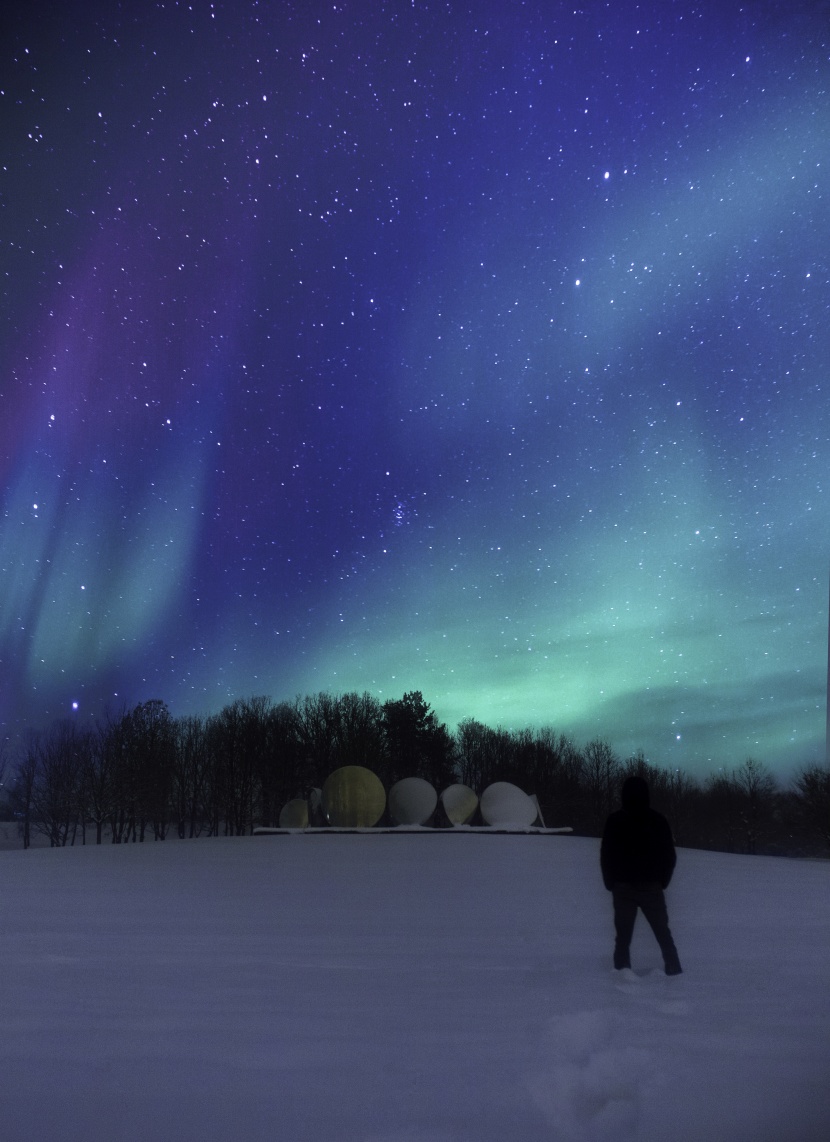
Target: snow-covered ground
[{"x": 420, "y": 988}]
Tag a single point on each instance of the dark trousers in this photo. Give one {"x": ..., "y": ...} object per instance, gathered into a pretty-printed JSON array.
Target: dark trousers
[{"x": 648, "y": 897}]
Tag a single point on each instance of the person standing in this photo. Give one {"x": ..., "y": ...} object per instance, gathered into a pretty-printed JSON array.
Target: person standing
[{"x": 637, "y": 858}]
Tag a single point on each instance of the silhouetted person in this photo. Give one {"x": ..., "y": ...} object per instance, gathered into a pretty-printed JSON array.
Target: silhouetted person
[{"x": 637, "y": 858}]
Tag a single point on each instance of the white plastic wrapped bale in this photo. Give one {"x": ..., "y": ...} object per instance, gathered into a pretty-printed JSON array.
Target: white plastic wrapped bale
[
  {"x": 459, "y": 803},
  {"x": 353, "y": 798},
  {"x": 412, "y": 801},
  {"x": 294, "y": 815},
  {"x": 506, "y": 805}
]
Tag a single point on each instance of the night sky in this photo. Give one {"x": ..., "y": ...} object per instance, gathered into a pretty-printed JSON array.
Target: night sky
[{"x": 474, "y": 348}]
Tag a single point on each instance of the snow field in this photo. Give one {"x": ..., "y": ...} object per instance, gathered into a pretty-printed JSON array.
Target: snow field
[{"x": 415, "y": 988}]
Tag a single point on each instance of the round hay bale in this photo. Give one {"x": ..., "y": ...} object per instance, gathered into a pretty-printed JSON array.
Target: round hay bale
[
  {"x": 353, "y": 798},
  {"x": 412, "y": 801},
  {"x": 503, "y": 804},
  {"x": 294, "y": 815},
  {"x": 459, "y": 803}
]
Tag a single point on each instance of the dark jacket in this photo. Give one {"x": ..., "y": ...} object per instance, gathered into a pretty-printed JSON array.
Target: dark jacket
[{"x": 637, "y": 845}]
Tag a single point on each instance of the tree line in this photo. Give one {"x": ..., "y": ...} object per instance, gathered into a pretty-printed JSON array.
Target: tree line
[{"x": 142, "y": 773}]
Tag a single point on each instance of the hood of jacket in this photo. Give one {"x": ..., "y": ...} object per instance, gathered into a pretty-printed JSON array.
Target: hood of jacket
[{"x": 634, "y": 795}]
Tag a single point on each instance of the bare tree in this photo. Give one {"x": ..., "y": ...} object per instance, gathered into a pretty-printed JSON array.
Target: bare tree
[
  {"x": 756, "y": 790},
  {"x": 283, "y": 770},
  {"x": 237, "y": 738},
  {"x": 601, "y": 778},
  {"x": 551, "y": 765},
  {"x": 680, "y": 802},
  {"x": 100, "y": 779},
  {"x": 721, "y": 814},
  {"x": 484, "y": 755},
  {"x": 190, "y": 776},
  {"x": 58, "y": 760},
  {"x": 318, "y": 729},
  {"x": 359, "y": 732},
  {"x": 22, "y": 792},
  {"x": 124, "y": 800},
  {"x": 812, "y": 790}
]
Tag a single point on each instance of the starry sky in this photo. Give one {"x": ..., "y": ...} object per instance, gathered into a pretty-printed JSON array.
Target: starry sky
[{"x": 479, "y": 348}]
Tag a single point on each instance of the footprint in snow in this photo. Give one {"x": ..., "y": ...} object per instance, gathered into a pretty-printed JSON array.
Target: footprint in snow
[
  {"x": 654, "y": 987},
  {"x": 588, "y": 1082}
]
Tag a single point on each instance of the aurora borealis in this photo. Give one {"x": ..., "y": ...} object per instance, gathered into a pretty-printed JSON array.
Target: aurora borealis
[{"x": 473, "y": 348}]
